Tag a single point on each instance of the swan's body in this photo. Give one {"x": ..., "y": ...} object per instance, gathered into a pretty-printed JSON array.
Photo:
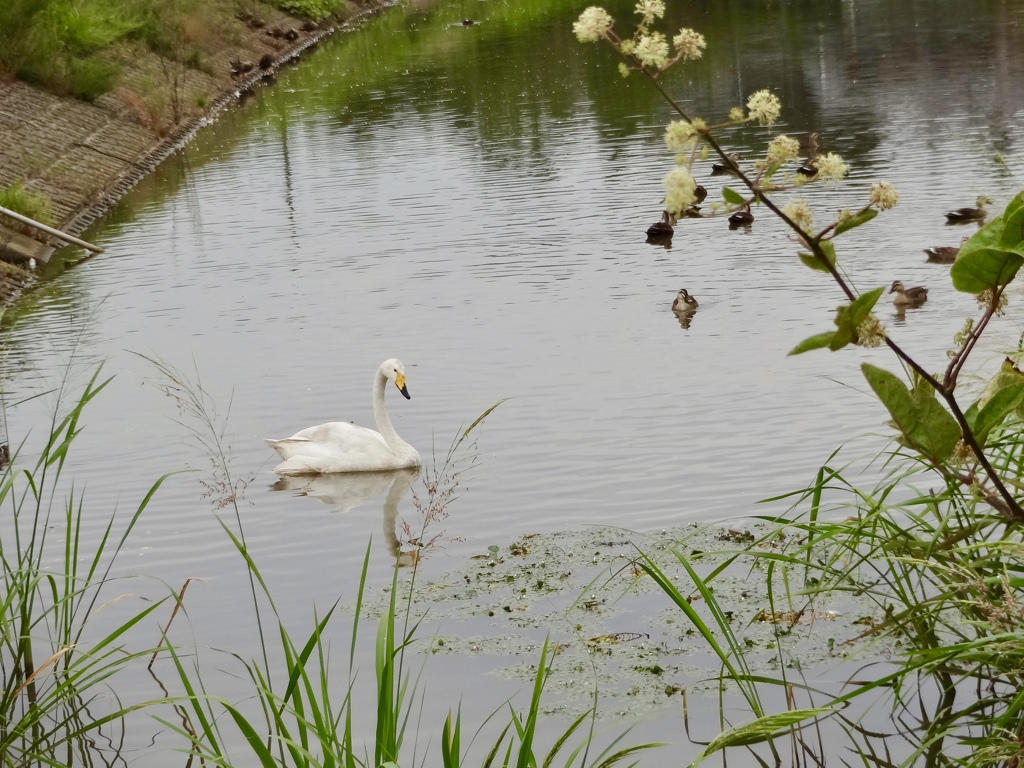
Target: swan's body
[
  {"x": 339, "y": 446},
  {"x": 908, "y": 297}
]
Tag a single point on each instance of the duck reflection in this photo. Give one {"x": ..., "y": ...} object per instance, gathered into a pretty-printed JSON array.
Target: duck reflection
[
  {"x": 344, "y": 492},
  {"x": 664, "y": 241}
]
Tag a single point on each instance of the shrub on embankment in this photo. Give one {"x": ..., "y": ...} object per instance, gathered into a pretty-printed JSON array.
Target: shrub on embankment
[{"x": 77, "y": 47}]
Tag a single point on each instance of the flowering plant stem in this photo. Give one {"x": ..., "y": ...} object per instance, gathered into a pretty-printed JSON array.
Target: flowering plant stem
[{"x": 1001, "y": 498}]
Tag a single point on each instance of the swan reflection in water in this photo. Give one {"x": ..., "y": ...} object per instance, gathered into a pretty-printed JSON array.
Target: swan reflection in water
[{"x": 343, "y": 492}]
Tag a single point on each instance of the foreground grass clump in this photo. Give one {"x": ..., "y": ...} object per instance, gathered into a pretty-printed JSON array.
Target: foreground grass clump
[
  {"x": 313, "y": 9},
  {"x": 35, "y": 205},
  {"x": 60, "y": 703},
  {"x": 56, "y": 665},
  {"x": 946, "y": 580},
  {"x": 57, "y": 43}
]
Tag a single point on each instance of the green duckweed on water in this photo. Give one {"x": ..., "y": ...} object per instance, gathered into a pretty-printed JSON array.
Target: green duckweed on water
[{"x": 612, "y": 626}]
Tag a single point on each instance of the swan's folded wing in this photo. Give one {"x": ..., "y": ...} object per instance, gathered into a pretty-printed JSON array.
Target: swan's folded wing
[
  {"x": 342, "y": 436},
  {"x": 333, "y": 447}
]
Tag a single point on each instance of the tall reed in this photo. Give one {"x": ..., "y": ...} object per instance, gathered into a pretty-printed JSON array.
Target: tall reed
[{"x": 58, "y": 660}]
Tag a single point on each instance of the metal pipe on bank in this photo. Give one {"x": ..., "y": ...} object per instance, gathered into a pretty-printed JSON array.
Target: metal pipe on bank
[{"x": 50, "y": 230}]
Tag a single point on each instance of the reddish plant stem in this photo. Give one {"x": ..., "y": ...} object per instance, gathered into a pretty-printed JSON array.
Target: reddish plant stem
[{"x": 957, "y": 363}]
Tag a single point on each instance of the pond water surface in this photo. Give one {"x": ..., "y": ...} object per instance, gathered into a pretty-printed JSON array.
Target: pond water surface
[{"x": 473, "y": 200}]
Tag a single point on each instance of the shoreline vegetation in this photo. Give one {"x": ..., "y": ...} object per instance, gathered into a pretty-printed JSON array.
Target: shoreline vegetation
[
  {"x": 94, "y": 94},
  {"x": 928, "y": 559},
  {"x": 942, "y": 565}
]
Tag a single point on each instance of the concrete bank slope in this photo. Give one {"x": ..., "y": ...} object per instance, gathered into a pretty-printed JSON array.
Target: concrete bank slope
[{"x": 83, "y": 156}]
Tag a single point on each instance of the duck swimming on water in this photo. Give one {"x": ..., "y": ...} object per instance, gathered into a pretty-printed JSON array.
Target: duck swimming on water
[
  {"x": 970, "y": 214},
  {"x": 663, "y": 228},
  {"x": 908, "y": 297},
  {"x": 684, "y": 302},
  {"x": 944, "y": 254}
]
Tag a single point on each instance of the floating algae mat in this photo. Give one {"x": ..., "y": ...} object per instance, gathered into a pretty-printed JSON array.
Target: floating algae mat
[{"x": 612, "y": 627}]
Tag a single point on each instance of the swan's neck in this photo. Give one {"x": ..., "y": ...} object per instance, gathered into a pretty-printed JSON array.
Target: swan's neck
[{"x": 380, "y": 415}]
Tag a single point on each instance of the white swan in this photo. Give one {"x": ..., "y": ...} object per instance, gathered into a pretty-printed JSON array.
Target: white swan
[{"x": 339, "y": 446}]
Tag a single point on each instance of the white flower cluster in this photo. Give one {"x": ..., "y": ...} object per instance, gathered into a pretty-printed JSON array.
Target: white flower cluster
[
  {"x": 830, "y": 166},
  {"x": 781, "y": 149},
  {"x": 986, "y": 297},
  {"x": 871, "y": 332},
  {"x": 649, "y": 10},
  {"x": 689, "y": 44},
  {"x": 681, "y": 135},
  {"x": 765, "y": 107},
  {"x": 963, "y": 454},
  {"x": 680, "y": 189},
  {"x": 652, "y": 50},
  {"x": 800, "y": 213},
  {"x": 884, "y": 195},
  {"x": 593, "y": 24}
]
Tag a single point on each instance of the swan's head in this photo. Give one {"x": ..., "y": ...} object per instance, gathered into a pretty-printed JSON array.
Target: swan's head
[{"x": 393, "y": 370}]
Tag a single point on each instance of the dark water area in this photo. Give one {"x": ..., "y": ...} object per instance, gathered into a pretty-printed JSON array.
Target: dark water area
[{"x": 473, "y": 200}]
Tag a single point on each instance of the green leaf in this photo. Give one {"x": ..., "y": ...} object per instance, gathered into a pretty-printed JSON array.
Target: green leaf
[
  {"x": 1012, "y": 235},
  {"x": 894, "y": 396},
  {"x": 846, "y": 331},
  {"x": 814, "y": 342},
  {"x": 1005, "y": 377},
  {"x": 924, "y": 424},
  {"x": 982, "y": 268},
  {"x": 986, "y": 237},
  {"x": 849, "y": 316},
  {"x": 764, "y": 728},
  {"x": 999, "y": 406},
  {"x": 252, "y": 737},
  {"x": 812, "y": 261},
  {"x": 855, "y": 221},
  {"x": 772, "y": 169},
  {"x": 939, "y": 431},
  {"x": 971, "y": 414},
  {"x": 829, "y": 252},
  {"x": 863, "y": 304},
  {"x": 732, "y": 196}
]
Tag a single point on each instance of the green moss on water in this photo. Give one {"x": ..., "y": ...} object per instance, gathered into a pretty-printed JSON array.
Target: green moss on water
[{"x": 610, "y": 625}]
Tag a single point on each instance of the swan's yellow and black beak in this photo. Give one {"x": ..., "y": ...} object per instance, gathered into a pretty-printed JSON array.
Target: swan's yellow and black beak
[{"x": 400, "y": 383}]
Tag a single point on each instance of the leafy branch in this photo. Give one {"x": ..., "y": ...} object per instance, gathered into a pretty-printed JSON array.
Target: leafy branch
[{"x": 946, "y": 436}]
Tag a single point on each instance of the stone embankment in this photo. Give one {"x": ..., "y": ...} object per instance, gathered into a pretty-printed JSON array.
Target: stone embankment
[{"x": 83, "y": 156}]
